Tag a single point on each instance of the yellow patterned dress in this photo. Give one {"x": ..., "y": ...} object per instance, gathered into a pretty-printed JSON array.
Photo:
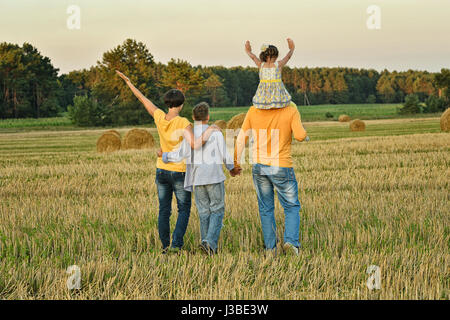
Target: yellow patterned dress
[{"x": 271, "y": 93}]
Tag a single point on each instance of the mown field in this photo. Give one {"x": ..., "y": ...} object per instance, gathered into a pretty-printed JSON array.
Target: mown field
[{"x": 379, "y": 197}]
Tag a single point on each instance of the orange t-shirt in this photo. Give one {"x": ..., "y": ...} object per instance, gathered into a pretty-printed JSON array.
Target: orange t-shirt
[{"x": 271, "y": 131}]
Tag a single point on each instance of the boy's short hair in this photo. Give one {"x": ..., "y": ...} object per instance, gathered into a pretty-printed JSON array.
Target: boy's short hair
[
  {"x": 201, "y": 111},
  {"x": 173, "y": 98}
]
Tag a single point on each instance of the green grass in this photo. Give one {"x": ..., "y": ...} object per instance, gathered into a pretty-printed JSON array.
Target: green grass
[
  {"x": 309, "y": 113},
  {"x": 36, "y": 124},
  {"x": 317, "y": 113}
]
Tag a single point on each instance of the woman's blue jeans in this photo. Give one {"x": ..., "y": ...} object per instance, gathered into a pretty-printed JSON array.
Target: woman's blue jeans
[{"x": 169, "y": 182}]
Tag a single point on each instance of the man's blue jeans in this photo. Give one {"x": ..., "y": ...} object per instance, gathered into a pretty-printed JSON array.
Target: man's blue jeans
[
  {"x": 266, "y": 179},
  {"x": 169, "y": 182},
  {"x": 210, "y": 202}
]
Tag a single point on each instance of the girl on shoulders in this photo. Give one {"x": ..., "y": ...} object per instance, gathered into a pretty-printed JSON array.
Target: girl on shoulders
[{"x": 271, "y": 92}]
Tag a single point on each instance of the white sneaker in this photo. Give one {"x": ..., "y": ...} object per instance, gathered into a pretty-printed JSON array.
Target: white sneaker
[{"x": 289, "y": 248}]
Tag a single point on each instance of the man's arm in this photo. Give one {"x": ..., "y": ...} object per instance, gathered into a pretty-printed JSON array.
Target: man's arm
[
  {"x": 288, "y": 56},
  {"x": 151, "y": 108},
  {"x": 248, "y": 49},
  {"x": 242, "y": 140},
  {"x": 297, "y": 127}
]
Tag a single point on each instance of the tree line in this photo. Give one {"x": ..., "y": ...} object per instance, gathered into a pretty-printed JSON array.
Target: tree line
[{"x": 31, "y": 86}]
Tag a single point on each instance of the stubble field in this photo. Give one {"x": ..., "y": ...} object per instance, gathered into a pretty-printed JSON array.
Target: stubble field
[{"x": 373, "y": 198}]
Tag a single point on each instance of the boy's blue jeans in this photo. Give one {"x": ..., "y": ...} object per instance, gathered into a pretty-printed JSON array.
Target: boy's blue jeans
[
  {"x": 210, "y": 202},
  {"x": 266, "y": 179},
  {"x": 169, "y": 182}
]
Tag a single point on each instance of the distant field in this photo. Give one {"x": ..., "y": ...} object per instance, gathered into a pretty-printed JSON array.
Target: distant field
[
  {"x": 317, "y": 113},
  {"x": 378, "y": 197},
  {"x": 309, "y": 113},
  {"x": 43, "y": 123}
]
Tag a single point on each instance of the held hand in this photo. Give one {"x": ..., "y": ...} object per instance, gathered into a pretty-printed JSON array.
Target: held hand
[
  {"x": 235, "y": 171},
  {"x": 159, "y": 152},
  {"x": 124, "y": 77},
  {"x": 291, "y": 44},
  {"x": 248, "y": 47}
]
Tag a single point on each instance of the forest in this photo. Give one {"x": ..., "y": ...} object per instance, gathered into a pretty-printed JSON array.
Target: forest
[{"x": 31, "y": 87}]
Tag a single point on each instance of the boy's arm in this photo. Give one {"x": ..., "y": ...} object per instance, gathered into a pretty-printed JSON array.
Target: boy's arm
[
  {"x": 151, "y": 108},
  {"x": 195, "y": 144},
  {"x": 288, "y": 56},
  {"x": 183, "y": 152},
  {"x": 226, "y": 157},
  {"x": 248, "y": 49}
]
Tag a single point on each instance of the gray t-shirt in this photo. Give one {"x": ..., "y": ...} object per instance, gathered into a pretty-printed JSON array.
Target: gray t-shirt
[{"x": 204, "y": 165}]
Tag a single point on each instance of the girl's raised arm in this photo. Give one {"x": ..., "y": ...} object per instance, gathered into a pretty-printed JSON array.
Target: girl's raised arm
[
  {"x": 248, "y": 49},
  {"x": 285, "y": 60}
]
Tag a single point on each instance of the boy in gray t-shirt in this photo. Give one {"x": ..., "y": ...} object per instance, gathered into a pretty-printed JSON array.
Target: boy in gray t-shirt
[{"x": 204, "y": 173}]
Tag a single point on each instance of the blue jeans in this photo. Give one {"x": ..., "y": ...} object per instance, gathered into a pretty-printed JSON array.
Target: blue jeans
[
  {"x": 169, "y": 182},
  {"x": 210, "y": 202},
  {"x": 266, "y": 179}
]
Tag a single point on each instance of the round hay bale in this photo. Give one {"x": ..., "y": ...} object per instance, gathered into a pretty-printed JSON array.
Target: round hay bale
[
  {"x": 222, "y": 124},
  {"x": 115, "y": 132},
  {"x": 108, "y": 142},
  {"x": 357, "y": 125},
  {"x": 445, "y": 120},
  {"x": 344, "y": 118},
  {"x": 138, "y": 139},
  {"x": 236, "y": 122}
]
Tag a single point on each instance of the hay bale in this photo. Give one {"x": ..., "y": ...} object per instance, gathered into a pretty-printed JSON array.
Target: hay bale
[
  {"x": 108, "y": 142},
  {"x": 357, "y": 125},
  {"x": 445, "y": 120},
  {"x": 115, "y": 132},
  {"x": 236, "y": 122},
  {"x": 222, "y": 124},
  {"x": 138, "y": 139},
  {"x": 344, "y": 118}
]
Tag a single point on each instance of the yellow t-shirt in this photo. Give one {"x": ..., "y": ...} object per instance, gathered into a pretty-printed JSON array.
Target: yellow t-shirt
[{"x": 170, "y": 137}]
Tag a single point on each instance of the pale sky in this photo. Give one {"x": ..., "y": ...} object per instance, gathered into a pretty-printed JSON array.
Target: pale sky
[{"x": 414, "y": 34}]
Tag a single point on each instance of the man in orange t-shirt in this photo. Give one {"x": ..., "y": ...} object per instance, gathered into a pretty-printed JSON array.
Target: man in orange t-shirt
[{"x": 272, "y": 132}]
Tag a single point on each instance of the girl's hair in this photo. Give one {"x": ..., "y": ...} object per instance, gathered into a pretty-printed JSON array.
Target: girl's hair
[{"x": 270, "y": 52}]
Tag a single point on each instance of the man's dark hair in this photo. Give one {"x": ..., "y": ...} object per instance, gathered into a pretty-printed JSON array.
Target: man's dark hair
[
  {"x": 173, "y": 98},
  {"x": 201, "y": 111}
]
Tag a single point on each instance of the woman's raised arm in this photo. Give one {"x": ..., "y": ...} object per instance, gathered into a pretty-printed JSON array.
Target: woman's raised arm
[{"x": 151, "y": 108}]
